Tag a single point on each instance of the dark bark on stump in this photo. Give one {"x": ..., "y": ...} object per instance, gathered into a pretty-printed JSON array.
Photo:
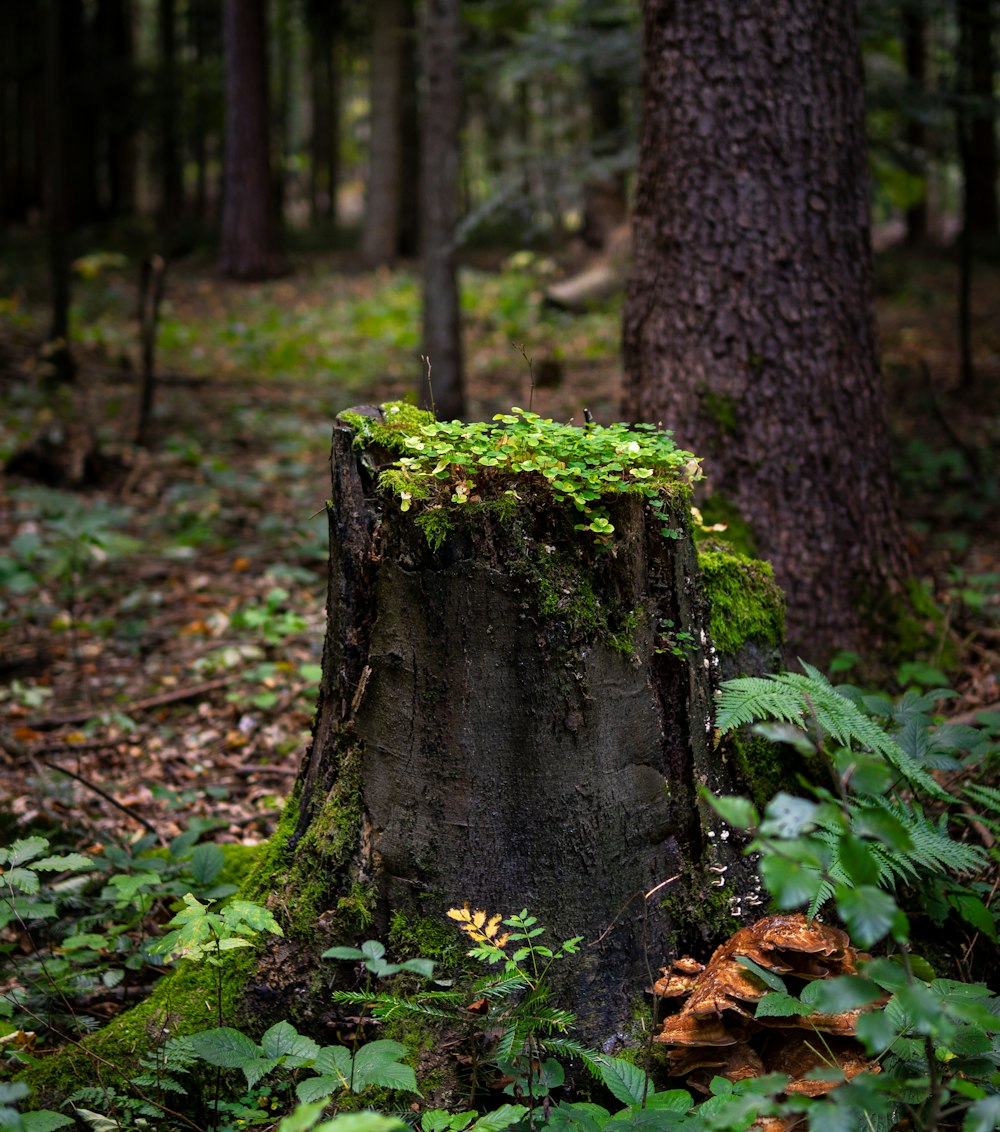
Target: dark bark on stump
[{"x": 506, "y": 759}]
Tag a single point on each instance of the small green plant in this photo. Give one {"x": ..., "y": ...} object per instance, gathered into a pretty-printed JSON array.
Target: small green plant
[
  {"x": 678, "y": 642},
  {"x": 850, "y": 848},
  {"x": 447, "y": 465},
  {"x": 271, "y": 620}
]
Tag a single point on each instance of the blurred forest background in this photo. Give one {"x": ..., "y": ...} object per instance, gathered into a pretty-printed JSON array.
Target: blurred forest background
[{"x": 182, "y": 315}]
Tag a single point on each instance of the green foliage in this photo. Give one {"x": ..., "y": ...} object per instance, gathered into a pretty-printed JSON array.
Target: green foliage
[
  {"x": 449, "y": 465},
  {"x": 885, "y": 828},
  {"x": 201, "y": 933},
  {"x": 271, "y": 620}
]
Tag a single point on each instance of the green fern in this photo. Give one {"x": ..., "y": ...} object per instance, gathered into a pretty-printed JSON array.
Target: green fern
[
  {"x": 430, "y": 1004},
  {"x": 931, "y": 849},
  {"x": 799, "y": 698}
]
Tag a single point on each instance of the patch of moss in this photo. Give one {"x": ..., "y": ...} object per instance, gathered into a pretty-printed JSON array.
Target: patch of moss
[
  {"x": 560, "y": 587},
  {"x": 767, "y": 767},
  {"x": 399, "y": 420},
  {"x": 425, "y": 937},
  {"x": 184, "y": 1001},
  {"x": 746, "y": 602}
]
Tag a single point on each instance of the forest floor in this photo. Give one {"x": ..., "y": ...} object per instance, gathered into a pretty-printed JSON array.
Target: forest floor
[{"x": 161, "y": 631}]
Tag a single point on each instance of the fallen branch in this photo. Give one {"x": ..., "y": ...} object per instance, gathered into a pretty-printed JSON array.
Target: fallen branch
[{"x": 102, "y": 793}]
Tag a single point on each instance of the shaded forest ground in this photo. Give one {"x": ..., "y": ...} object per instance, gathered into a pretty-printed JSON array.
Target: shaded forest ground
[{"x": 160, "y": 633}]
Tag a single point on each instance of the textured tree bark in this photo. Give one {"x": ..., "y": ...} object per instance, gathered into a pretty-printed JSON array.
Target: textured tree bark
[
  {"x": 506, "y": 758},
  {"x": 381, "y": 229},
  {"x": 442, "y": 116},
  {"x": 249, "y": 241},
  {"x": 748, "y": 326}
]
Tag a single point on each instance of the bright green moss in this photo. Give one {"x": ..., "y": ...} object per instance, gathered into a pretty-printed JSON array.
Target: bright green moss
[
  {"x": 399, "y": 420},
  {"x": 747, "y": 604}
]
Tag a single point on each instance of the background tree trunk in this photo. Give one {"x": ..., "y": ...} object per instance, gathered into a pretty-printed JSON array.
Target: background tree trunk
[
  {"x": 380, "y": 236},
  {"x": 978, "y": 151},
  {"x": 439, "y": 188},
  {"x": 748, "y": 326},
  {"x": 171, "y": 157},
  {"x": 249, "y": 242},
  {"x": 914, "y": 20},
  {"x": 508, "y": 758}
]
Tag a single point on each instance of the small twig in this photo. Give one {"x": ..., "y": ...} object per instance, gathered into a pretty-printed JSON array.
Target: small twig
[
  {"x": 425, "y": 358},
  {"x": 519, "y": 346},
  {"x": 48, "y": 723},
  {"x": 147, "y": 825}
]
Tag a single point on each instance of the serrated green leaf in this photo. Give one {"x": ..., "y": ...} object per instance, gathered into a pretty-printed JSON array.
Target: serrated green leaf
[
  {"x": 768, "y": 978},
  {"x": 21, "y": 880},
  {"x": 503, "y": 1117},
  {"x": 377, "y": 1063},
  {"x": 240, "y": 914},
  {"x": 63, "y": 863},
  {"x": 23, "y": 850},
  {"x": 626, "y": 1082},
  {"x": 225, "y": 1047},
  {"x": 845, "y": 992},
  {"x": 206, "y": 863},
  {"x": 868, "y": 912},
  {"x": 857, "y": 860},
  {"x": 318, "y": 1088},
  {"x": 283, "y": 1040},
  {"x": 787, "y": 816},
  {"x": 983, "y": 1115},
  {"x": 780, "y": 1005},
  {"x": 44, "y": 1120}
]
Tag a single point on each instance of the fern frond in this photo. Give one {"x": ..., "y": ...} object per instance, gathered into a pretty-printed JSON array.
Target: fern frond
[
  {"x": 433, "y": 1004},
  {"x": 794, "y": 697},
  {"x": 568, "y": 1047}
]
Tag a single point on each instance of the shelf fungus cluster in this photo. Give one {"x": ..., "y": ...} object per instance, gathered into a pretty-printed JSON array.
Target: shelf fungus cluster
[{"x": 717, "y": 1032}]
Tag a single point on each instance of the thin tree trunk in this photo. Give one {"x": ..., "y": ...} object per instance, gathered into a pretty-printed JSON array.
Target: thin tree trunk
[
  {"x": 915, "y": 52},
  {"x": 979, "y": 156},
  {"x": 324, "y": 144},
  {"x": 748, "y": 325},
  {"x": 381, "y": 232},
  {"x": 249, "y": 242},
  {"x": 57, "y": 204},
  {"x": 408, "y": 243},
  {"x": 439, "y": 189},
  {"x": 171, "y": 158}
]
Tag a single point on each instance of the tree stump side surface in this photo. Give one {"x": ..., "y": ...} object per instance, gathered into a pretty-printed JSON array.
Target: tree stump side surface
[{"x": 508, "y": 759}]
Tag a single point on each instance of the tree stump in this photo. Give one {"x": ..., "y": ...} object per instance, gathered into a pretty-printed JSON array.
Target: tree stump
[{"x": 519, "y": 718}]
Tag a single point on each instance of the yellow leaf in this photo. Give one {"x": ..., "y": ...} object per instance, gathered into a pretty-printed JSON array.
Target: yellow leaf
[{"x": 479, "y": 919}]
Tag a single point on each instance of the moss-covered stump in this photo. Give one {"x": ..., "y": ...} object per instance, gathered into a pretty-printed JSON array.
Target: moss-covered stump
[{"x": 515, "y": 712}]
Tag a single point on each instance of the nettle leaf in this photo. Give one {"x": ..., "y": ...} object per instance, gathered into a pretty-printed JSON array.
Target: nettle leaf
[
  {"x": 239, "y": 915},
  {"x": 207, "y": 862},
  {"x": 869, "y": 913},
  {"x": 283, "y": 1040},
  {"x": 377, "y": 1063},
  {"x": 225, "y": 1047},
  {"x": 23, "y": 850},
  {"x": 780, "y": 1005},
  {"x": 787, "y": 816},
  {"x": 845, "y": 992},
  {"x": 626, "y": 1082},
  {"x": 63, "y": 863}
]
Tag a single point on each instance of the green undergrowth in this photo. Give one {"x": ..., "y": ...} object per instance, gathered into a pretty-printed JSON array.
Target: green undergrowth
[{"x": 443, "y": 467}]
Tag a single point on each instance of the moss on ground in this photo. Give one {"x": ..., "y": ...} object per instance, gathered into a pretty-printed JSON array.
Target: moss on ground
[{"x": 747, "y": 604}]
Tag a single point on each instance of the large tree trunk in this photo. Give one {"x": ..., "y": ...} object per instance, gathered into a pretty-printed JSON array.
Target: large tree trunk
[
  {"x": 497, "y": 754},
  {"x": 249, "y": 239},
  {"x": 748, "y": 326},
  {"x": 439, "y": 185},
  {"x": 380, "y": 236}
]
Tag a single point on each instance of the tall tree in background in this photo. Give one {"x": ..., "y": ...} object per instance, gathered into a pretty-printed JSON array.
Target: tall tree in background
[
  {"x": 977, "y": 117},
  {"x": 249, "y": 231},
  {"x": 439, "y": 197},
  {"x": 380, "y": 236},
  {"x": 748, "y": 326},
  {"x": 171, "y": 158},
  {"x": 324, "y": 93},
  {"x": 914, "y": 21}
]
